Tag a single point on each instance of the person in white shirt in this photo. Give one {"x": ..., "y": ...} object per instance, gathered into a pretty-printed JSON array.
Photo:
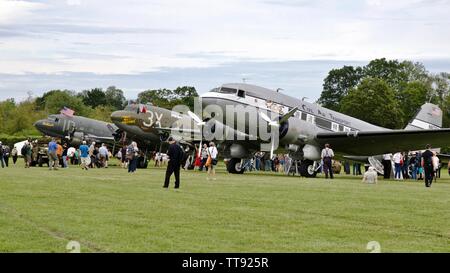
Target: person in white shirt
[
  {"x": 371, "y": 176},
  {"x": 327, "y": 157},
  {"x": 436, "y": 164},
  {"x": 212, "y": 152},
  {"x": 398, "y": 158}
]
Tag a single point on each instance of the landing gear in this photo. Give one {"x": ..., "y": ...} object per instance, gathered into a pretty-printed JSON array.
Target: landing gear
[
  {"x": 142, "y": 162},
  {"x": 308, "y": 168},
  {"x": 235, "y": 166}
]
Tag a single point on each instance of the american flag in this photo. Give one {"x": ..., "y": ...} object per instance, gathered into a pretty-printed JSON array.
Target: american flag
[
  {"x": 67, "y": 112},
  {"x": 436, "y": 111}
]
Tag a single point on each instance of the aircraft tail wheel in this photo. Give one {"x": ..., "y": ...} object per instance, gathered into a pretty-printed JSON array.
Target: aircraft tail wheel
[
  {"x": 307, "y": 168},
  {"x": 234, "y": 166}
]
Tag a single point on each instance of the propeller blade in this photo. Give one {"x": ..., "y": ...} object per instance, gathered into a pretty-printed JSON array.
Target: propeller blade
[
  {"x": 288, "y": 115},
  {"x": 196, "y": 118},
  {"x": 266, "y": 118},
  {"x": 200, "y": 148}
]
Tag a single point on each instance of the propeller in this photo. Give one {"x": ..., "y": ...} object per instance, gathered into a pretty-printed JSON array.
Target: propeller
[
  {"x": 196, "y": 118},
  {"x": 276, "y": 124},
  {"x": 200, "y": 123},
  {"x": 269, "y": 121}
]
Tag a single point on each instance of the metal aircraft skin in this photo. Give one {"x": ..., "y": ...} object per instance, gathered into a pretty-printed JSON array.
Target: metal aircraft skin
[
  {"x": 148, "y": 125},
  {"x": 303, "y": 127},
  {"x": 155, "y": 124},
  {"x": 77, "y": 128},
  {"x": 304, "y": 133}
]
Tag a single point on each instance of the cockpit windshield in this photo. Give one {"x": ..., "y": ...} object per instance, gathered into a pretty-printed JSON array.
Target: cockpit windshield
[
  {"x": 53, "y": 118},
  {"x": 227, "y": 90},
  {"x": 136, "y": 106},
  {"x": 217, "y": 90}
]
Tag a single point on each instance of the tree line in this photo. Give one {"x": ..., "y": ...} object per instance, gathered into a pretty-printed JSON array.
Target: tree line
[
  {"x": 17, "y": 118},
  {"x": 385, "y": 92}
]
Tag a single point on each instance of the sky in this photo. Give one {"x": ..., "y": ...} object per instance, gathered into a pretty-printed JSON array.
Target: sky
[{"x": 137, "y": 45}]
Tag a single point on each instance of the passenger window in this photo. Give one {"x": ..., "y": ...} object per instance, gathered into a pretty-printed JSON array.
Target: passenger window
[
  {"x": 334, "y": 127},
  {"x": 241, "y": 93},
  {"x": 310, "y": 119}
]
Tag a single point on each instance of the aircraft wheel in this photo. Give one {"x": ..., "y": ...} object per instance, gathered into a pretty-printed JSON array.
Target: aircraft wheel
[
  {"x": 142, "y": 163},
  {"x": 234, "y": 166},
  {"x": 307, "y": 169}
]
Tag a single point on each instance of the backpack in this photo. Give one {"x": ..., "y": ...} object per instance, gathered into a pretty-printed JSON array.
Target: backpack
[
  {"x": 130, "y": 152},
  {"x": 23, "y": 151}
]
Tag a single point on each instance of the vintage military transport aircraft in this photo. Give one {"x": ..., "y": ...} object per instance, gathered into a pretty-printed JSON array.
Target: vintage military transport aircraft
[{"x": 244, "y": 119}]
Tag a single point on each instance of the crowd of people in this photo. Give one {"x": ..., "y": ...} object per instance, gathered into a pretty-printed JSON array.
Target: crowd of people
[
  {"x": 413, "y": 165},
  {"x": 406, "y": 165}
]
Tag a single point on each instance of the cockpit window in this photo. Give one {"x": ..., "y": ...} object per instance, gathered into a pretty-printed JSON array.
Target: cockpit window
[
  {"x": 131, "y": 107},
  {"x": 227, "y": 90},
  {"x": 217, "y": 90},
  {"x": 53, "y": 118}
]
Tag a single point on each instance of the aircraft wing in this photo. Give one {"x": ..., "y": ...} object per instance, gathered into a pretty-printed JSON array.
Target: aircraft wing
[
  {"x": 100, "y": 138},
  {"x": 381, "y": 142},
  {"x": 178, "y": 130}
]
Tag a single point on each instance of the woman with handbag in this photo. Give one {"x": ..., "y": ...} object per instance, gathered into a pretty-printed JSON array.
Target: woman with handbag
[{"x": 211, "y": 162}]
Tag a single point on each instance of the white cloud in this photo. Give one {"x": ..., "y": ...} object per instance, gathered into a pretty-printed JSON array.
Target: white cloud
[
  {"x": 13, "y": 11},
  {"x": 73, "y": 2},
  {"x": 139, "y": 35}
]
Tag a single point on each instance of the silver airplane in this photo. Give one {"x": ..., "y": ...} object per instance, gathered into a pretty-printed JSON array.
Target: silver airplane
[{"x": 304, "y": 128}]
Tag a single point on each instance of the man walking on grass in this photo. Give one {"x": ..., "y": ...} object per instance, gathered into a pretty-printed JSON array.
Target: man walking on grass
[{"x": 175, "y": 154}]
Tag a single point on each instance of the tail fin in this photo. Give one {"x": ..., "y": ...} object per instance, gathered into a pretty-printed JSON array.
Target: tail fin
[{"x": 428, "y": 117}]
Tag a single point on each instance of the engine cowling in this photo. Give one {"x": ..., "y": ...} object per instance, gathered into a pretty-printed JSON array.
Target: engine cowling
[
  {"x": 296, "y": 131},
  {"x": 77, "y": 138}
]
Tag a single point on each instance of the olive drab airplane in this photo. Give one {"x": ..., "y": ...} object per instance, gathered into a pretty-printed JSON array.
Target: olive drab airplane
[
  {"x": 260, "y": 119},
  {"x": 155, "y": 124},
  {"x": 75, "y": 129}
]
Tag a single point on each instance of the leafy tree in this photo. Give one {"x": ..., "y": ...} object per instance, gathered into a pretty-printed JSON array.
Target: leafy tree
[
  {"x": 391, "y": 71},
  {"x": 185, "y": 95},
  {"x": 373, "y": 101},
  {"x": 18, "y": 119},
  {"x": 115, "y": 98},
  {"x": 412, "y": 97},
  {"x": 337, "y": 84},
  {"x": 101, "y": 112},
  {"x": 53, "y": 101},
  {"x": 94, "y": 97},
  {"x": 158, "y": 97}
]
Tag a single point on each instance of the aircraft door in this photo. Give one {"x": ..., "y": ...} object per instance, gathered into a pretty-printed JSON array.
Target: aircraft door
[{"x": 69, "y": 127}]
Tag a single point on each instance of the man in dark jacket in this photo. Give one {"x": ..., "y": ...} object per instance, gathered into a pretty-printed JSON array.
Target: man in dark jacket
[
  {"x": 427, "y": 164},
  {"x": 175, "y": 154}
]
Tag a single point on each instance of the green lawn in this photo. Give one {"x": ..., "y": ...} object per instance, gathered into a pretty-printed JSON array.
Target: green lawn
[{"x": 108, "y": 210}]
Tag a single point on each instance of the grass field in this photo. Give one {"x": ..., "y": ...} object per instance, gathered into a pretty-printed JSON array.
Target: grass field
[{"x": 108, "y": 210}]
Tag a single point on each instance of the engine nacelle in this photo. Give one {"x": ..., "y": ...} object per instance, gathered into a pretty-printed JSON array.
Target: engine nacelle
[
  {"x": 296, "y": 131},
  {"x": 77, "y": 138},
  {"x": 238, "y": 151},
  {"x": 311, "y": 152}
]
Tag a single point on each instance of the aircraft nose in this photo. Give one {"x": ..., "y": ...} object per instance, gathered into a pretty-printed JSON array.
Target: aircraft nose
[
  {"x": 39, "y": 124},
  {"x": 116, "y": 116}
]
